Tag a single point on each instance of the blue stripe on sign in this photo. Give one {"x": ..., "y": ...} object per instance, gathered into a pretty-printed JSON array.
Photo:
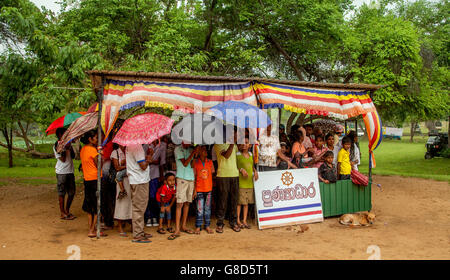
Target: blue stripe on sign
[{"x": 289, "y": 208}]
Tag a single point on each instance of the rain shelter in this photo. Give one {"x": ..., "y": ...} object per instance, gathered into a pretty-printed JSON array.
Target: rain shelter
[{"x": 117, "y": 91}]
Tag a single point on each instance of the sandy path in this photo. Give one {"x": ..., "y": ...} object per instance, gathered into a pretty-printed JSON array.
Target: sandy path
[{"x": 413, "y": 222}]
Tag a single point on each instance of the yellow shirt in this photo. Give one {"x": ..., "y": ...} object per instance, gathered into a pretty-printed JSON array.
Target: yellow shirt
[
  {"x": 344, "y": 160},
  {"x": 226, "y": 167}
]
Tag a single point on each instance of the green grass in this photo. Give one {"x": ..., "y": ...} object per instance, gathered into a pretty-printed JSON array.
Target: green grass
[
  {"x": 394, "y": 157},
  {"x": 31, "y": 171}
]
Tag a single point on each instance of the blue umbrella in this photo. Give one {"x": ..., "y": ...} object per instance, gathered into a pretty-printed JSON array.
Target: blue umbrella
[
  {"x": 199, "y": 129},
  {"x": 241, "y": 114}
]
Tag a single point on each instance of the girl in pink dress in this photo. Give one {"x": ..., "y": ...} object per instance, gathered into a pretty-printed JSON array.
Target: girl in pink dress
[{"x": 318, "y": 152}]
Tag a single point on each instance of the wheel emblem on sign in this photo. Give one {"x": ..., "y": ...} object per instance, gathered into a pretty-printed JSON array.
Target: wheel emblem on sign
[{"x": 287, "y": 178}]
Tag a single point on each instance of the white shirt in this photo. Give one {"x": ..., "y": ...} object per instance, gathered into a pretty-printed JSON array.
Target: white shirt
[
  {"x": 118, "y": 154},
  {"x": 135, "y": 154},
  {"x": 65, "y": 167},
  {"x": 269, "y": 146}
]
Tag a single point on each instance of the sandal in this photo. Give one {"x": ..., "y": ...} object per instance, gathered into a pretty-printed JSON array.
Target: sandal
[
  {"x": 70, "y": 217},
  {"x": 188, "y": 231},
  {"x": 148, "y": 235},
  {"x": 209, "y": 231},
  {"x": 245, "y": 226},
  {"x": 173, "y": 236},
  {"x": 197, "y": 231},
  {"x": 219, "y": 229},
  {"x": 141, "y": 240},
  {"x": 170, "y": 229},
  {"x": 236, "y": 228},
  {"x": 102, "y": 234},
  {"x": 161, "y": 231}
]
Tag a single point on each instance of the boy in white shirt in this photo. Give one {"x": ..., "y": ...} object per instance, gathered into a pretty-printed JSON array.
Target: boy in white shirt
[{"x": 65, "y": 176}]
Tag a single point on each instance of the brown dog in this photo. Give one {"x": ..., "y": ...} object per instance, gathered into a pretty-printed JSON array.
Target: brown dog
[{"x": 357, "y": 219}]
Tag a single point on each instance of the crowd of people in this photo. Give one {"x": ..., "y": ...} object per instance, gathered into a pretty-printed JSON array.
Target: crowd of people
[{"x": 143, "y": 185}]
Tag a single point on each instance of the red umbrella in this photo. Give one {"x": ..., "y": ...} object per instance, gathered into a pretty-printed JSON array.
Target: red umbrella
[
  {"x": 143, "y": 129},
  {"x": 63, "y": 121}
]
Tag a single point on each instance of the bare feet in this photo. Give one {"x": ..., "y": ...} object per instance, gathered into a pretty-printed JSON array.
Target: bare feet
[
  {"x": 209, "y": 230},
  {"x": 197, "y": 230}
]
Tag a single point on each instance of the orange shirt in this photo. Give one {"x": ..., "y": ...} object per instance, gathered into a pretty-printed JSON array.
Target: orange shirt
[
  {"x": 87, "y": 155},
  {"x": 203, "y": 175},
  {"x": 297, "y": 147}
]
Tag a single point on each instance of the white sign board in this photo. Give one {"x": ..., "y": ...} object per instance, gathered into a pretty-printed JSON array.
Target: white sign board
[
  {"x": 393, "y": 131},
  {"x": 288, "y": 197}
]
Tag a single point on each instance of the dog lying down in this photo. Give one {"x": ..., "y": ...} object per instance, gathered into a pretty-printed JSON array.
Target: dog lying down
[{"x": 357, "y": 219}]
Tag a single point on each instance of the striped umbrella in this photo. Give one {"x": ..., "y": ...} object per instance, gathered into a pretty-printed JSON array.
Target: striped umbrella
[
  {"x": 93, "y": 108},
  {"x": 63, "y": 121},
  {"x": 79, "y": 127}
]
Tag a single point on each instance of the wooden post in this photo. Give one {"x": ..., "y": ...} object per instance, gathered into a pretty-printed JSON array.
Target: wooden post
[{"x": 99, "y": 160}]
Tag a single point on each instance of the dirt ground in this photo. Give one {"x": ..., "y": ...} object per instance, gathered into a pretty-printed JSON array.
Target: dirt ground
[{"x": 413, "y": 222}]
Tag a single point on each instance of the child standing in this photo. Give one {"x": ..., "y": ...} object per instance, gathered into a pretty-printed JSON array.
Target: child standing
[
  {"x": 203, "y": 172},
  {"x": 327, "y": 171},
  {"x": 247, "y": 171},
  {"x": 65, "y": 176},
  {"x": 344, "y": 167},
  {"x": 318, "y": 151},
  {"x": 89, "y": 157},
  {"x": 166, "y": 198}
]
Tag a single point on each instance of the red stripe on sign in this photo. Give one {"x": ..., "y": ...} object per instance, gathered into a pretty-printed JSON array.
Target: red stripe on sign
[{"x": 290, "y": 215}]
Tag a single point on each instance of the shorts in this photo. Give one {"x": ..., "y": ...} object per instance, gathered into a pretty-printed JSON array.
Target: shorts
[
  {"x": 120, "y": 175},
  {"x": 246, "y": 196},
  {"x": 185, "y": 189},
  {"x": 65, "y": 184}
]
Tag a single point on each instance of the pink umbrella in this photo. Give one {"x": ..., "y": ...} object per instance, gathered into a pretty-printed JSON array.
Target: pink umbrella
[{"x": 143, "y": 129}]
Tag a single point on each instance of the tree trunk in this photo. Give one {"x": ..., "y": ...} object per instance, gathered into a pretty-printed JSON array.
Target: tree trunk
[
  {"x": 431, "y": 125},
  {"x": 207, "y": 46},
  {"x": 301, "y": 120},
  {"x": 290, "y": 60},
  {"x": 413, "y": 128},
  {"x": 8, "y": 137},
  {"x": 289, "y": 122},
  {"x": 23, "y": 134}
]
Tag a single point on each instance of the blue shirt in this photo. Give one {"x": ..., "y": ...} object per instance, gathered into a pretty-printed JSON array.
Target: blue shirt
[{"x": 186, "y": 173}]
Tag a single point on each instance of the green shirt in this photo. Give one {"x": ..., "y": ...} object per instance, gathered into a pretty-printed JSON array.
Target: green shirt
[
  {"x": 183, "y": 172},
  {"x": 247, "y": 164},
  {"x": 226, "y": 167}
]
